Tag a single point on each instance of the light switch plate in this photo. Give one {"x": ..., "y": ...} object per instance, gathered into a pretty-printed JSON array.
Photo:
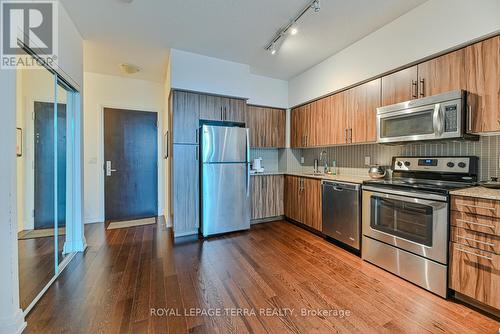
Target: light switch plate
[{"x": 368, "y": 160}]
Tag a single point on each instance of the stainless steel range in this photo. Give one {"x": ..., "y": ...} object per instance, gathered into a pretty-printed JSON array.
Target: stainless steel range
[{"x": 406, "y": 219}]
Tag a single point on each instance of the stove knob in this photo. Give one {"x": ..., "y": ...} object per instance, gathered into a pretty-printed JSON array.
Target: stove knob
[
  {"x": 399, "y": 163},
  {"x": 461, "y": 164},
  {"x": 407, "y": 163},
  {"x": 450, "y": 164}
]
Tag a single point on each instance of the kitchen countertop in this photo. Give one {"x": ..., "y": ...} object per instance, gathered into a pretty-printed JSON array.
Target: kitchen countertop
[
  {"x": 340, "y": 178},
  {"x": 268, "y": 173},
  {"x": 478, "y": 192}
]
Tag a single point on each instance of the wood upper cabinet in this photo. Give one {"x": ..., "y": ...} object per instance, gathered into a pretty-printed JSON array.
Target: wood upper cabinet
[
  {"x": 235, "y": 110},
  {"x": 400, "y": 86},
  {"x": 267, "y": 126},
  {"x": 218, "y": 108},
  {"x": 361, "y": 103},
  {"x": 482, "y": 76},
  {"x": 442, "y": 74},
  {"x": 211, "y": 107},
  {"x": 267, "y": 196},
  {"x": 185, "y": 117},
  {"x": 300, "y": 118},
  {"x": 339, "y": 122}
]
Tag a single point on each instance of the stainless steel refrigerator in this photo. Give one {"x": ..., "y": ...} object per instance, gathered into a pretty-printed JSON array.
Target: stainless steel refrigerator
[{"x": 225, "y": 179}]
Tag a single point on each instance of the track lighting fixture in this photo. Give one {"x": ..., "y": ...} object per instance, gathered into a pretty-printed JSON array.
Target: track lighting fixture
[{"x": 291, "y": 28}]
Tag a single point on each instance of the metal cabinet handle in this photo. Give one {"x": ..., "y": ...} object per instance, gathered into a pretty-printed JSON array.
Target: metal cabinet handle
[
  {"x": 422, "y": 87},
  {"x": 221, "y": 113},
  {"x": 350, "y": 135},
  {"x": 469, "y": 117},
  {"x": 225, "y": 113},
  {"x": 196, "y": 135},
  {"x": 478, "y": 241},
  {"x": 473, "y": 223},
  {"x": 345, "y": 135},
  {"x": 478, "y": 207},
  {"x": 414, "y": 88},
  {"x": 196, "y": 153},
  {"x": 478, "y": 255}
]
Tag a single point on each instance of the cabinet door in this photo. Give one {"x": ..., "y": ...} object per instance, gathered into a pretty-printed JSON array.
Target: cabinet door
[
  {"x": 311, "y": 202},
  {"x": 267, "y": 126},
  {"x": 442, "y": 74},
  {"x": 211, "y": 107},
  {"x": 257, "y": 125},
  {"x": 400, "y": 86},
  {"x": 297, "y": 127},
  {"x": 339, "y": 120},
  {"x": 361, "y": 105},
  {"x": 186, "y": 112},
  {"x": 185, "y": 190},
  {"x": 267, "y": 196},
  {"x": 293, "y": 191},
  {"x": 277, "y": 127},
  {"x": 483, "y": 73},
  {"x": 235, "y": 110}
]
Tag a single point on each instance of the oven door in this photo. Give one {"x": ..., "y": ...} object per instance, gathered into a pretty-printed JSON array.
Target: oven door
[
  {"x": 417, "y": 225},
  {"x": 422, "y": 123}
]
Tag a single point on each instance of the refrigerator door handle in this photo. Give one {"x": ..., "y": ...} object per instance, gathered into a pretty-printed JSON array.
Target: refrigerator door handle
[{"x": 247, "y": 132}]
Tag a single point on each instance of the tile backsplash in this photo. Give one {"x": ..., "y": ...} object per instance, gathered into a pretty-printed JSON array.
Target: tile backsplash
[
  {"x": 487, "y": 149},
  {"x": 270, "y": 158}
]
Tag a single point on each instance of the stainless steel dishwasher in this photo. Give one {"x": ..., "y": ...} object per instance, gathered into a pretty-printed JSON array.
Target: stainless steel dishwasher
[{"x": 341, "y": 212}]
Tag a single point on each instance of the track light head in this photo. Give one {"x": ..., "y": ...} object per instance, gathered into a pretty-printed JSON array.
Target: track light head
[
  {"x": 316, "y": 5},
  {"x": 293, "y": 29},
  {"x": 273, "y": 49}
]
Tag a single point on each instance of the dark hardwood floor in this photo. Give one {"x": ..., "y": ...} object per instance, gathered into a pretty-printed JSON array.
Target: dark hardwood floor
[{"x": 113, "y": 286}]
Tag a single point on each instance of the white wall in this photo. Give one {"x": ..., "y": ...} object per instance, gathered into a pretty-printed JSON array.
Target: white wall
[
  {"x": 430, "y": 28},
  {"x": 200, "y": 73},
  {"x": 267, "y": 91},
  {"x": 111, "y": 91}
]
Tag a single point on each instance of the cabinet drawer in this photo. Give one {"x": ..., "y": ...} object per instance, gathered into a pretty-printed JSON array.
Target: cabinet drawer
[
  {"x": 478, "y": 206},
  {"x": 476, "y": 274},
  {"x": 484, "y": 224},
  {"x": 486, "y": 242}
]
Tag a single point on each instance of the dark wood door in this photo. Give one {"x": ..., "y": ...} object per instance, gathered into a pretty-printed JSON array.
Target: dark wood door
[
  {"x": 131, "y": 147},
  {"x": 44, "y": 165},
  {"x": 442, "y": 74},
  {"x": 483, "y": 73},
  {"x": 400, "y": 86},
  {"x": 186, "y": 114}
]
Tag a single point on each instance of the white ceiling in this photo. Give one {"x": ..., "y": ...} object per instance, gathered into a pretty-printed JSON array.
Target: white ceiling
[{"x": 238, "y": 30}]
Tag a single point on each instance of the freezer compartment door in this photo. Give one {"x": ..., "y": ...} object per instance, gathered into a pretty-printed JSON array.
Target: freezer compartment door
[
  {"x": 225, "y": 198},
  {"x": 224, "y": 144}
]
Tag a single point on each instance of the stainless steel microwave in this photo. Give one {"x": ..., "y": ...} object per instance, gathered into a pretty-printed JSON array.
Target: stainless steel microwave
[{"x": 435, "y": 117}]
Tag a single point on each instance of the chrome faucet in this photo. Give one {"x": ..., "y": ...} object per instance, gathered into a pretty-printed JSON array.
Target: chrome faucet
[{"x": 322, "y": 156}]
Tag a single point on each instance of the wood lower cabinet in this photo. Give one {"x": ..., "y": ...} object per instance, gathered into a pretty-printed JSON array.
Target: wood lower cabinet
[
  {"x": 475, "y": 249},
  {"x": 482, "y": 74},
  {"x": 185, "y": 117},
  {"x": 400, "y": 86},
  {"x": 185, "y": 189},
  {"x": 267, "y": 127},
  {"x": 303, "y": 201},
  {"x": 267, "y": 196}
]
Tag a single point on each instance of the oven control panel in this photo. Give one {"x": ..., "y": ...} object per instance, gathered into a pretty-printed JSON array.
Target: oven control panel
[{"x": 432, "y": 164}]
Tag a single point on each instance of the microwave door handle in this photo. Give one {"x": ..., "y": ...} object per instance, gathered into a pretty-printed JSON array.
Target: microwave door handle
[{"x": 437, "y": 121}]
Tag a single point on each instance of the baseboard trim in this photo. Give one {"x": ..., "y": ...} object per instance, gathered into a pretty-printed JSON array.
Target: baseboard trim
[
  {"x": 266, "y": 220},
  {"x": 14, "y": 324},
  {"x": 184, "y": 234}
]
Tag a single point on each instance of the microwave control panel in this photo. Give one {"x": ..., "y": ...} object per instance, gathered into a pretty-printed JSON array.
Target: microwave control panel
[
  {"x": 434, "y": 164},
  {"x": 451, "y": 118}
]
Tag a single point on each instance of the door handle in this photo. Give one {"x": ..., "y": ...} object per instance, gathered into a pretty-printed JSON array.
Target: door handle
[
  {"x": 109, "y": 170},
  {"x": 422, "y": 87}
]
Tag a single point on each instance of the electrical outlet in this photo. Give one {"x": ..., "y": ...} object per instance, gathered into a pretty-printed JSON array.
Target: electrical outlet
[
  {"x": 301, "y": 160},
  {"x": 368, "y": 160}
]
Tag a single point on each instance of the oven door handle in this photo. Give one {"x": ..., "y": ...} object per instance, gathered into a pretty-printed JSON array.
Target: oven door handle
[
  {"x": 434, "y": 204},
  {"x": 414, "y": 195}
]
